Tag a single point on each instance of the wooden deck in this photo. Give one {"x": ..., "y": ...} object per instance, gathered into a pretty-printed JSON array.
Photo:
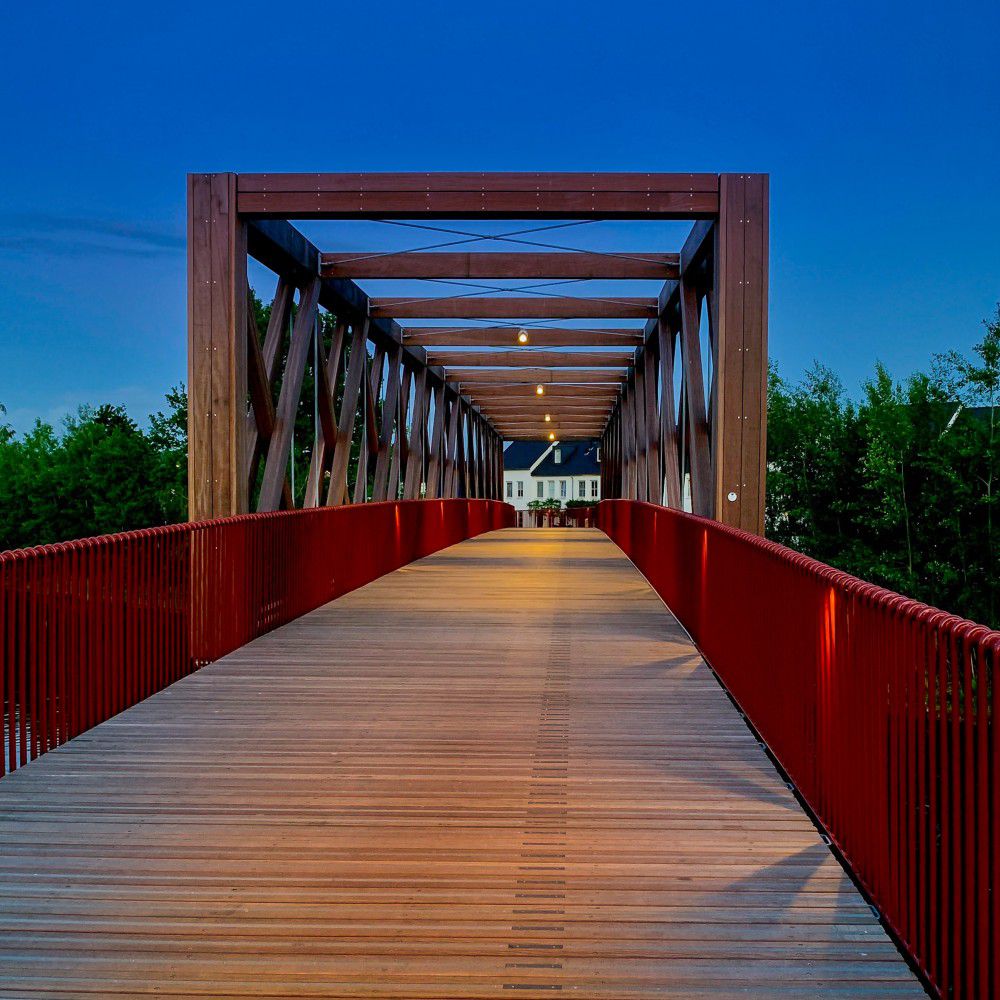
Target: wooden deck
[{"x": 500, "y": 771}]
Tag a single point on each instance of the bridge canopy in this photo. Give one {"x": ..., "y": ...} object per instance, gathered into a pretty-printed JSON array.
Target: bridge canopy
[{"x": 505, "y": 345}]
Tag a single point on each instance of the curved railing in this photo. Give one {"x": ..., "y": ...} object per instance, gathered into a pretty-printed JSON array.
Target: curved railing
[
  {"x": 90, "y": 627},
  {"x": 881, "y": 710}
]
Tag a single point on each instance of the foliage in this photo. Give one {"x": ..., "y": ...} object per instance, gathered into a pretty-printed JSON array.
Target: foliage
[
  {"x": 101, "y": 473},
  {"x": 550, "y": 504},
  {"x": 579, "y": 503},
  {"x": 900, "y": 488}
]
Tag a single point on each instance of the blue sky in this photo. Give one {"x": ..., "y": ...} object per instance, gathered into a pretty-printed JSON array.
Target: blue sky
[{"x": 878, "y": 123}]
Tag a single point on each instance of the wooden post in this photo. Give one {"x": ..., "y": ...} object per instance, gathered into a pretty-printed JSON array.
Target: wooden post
[
  {"x": 451, "y": 449},
  {"x": 299, "y": 349},
  {"x": 699, "y": 459},
  {"x": 671, "y": 488},
  {"x": 397, "y": 466},
  {"x": 217, "y": 349},
  {"x": 433, "y": 490},
  {"x": 418, "y": 425},
  {"x": 739, "y": 409},
  {"x": 357, "y": 364},
  {"x": 390, "y": 413}
]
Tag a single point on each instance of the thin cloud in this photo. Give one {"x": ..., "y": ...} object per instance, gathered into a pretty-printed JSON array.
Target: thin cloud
[{"x": 76, "y": 236}]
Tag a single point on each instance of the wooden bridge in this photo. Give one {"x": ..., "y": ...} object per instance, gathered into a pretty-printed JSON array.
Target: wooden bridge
[
  {"x": 337, "y": 747},
  {"x": 504, "y": 769}
]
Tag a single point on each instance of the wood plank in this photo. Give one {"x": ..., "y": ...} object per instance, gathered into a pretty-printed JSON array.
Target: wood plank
[
  {"x": 694, "y": 389},
  {"x": 531, "y": 356},
  {"x": 435, "y": 463},
  {"x": 503, "y": 769},
  {"x": 443, "y": 264},
  {"x": 532, "y": 182},
  {"x": 654, "y": 479},
  {"x": 276, "y": 462},
  {"x": 277, "y": 324},
  {"x": 552, "y": 391},
  {"x": 390, "y": 423},
  {"x": 506, "y": 336},
  {"x": 418, "y": 426},
  {"x": 261, "y": 417},
  {"x": 451, "y": 449},
  {"x": 217, "y": 356},
  {"x": 397, "y": 464},
  {"x": 544, "y": 376},
  {"x": 326, "y": 435},
  {"x": 641, "y": 444},
  {"x": 457, "y": 195},
  {"x": 357, "y": 365},
  {"x": 671, "y": 487},
  {"x": 514, "y": 307}
]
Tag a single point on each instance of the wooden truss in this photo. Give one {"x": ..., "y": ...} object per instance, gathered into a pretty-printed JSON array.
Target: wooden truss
[{"x": 673, "y": 386}]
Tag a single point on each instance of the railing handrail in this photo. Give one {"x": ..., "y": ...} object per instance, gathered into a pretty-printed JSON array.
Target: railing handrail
[
  {"x": 882, "y": 710},
  {"x": 837, "y": 577},
  {"x": 89, "y": 627}
]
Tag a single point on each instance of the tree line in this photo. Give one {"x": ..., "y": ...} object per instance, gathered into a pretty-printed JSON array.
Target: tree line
[{"x": 898, "y": 486}]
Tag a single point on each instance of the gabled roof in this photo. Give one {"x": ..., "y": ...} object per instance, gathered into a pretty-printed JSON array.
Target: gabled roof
[
  {"x": 520, "y": 455},
  {"x": 578, "y": 458}
]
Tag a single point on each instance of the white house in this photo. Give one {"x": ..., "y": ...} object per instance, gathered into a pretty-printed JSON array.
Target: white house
[{"x": 551, "y": 470}]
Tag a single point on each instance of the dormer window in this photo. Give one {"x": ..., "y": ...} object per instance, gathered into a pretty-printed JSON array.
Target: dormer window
[{"x": 557, "y": 455}]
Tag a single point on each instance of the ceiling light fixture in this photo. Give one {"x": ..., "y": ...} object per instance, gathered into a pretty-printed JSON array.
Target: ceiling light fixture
[
  {"x": 522, "y": 337},
  {"x": 540, "y": 389}
]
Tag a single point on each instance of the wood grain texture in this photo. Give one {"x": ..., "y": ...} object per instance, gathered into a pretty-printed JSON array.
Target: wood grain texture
[
  {"x": 500, "y": 264},
  {"x": 512, "y": 307},
  {"x": 506, "y": 336},
  {"x": 502, "y": 770}
]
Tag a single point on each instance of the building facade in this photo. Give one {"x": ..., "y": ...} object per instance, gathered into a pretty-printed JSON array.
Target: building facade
[{"x": 551, "y": 470}]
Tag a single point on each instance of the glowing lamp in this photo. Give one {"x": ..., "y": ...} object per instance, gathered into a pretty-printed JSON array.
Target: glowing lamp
[
  {"x": 540, "y": 389},
  {"x": 522, "y": 337}
]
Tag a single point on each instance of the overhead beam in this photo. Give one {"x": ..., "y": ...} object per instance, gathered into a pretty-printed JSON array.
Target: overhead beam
[
  {"x": 525, "y": 356},
  {"x": 501, "y": 392},
  {"x": 479, "y": 195},
  {"x": 563, "y": 407},
  {"x": 533, "y": 376},
  {"x": 505, "y": 336},
  {"x": 379, "y": 264},
  {"x": 533, "y": 307}
]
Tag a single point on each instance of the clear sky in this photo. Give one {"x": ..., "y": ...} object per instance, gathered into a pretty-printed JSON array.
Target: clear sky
[{"x": 878, "y": 122}]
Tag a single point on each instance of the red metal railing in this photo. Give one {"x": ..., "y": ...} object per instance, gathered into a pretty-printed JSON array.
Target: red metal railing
[
  {"x": 88, "y": 628},
  {"x": 881, "y": 710}
]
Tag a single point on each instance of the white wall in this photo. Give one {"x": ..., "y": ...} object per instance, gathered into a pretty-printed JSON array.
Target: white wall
[{"x": 551, "y": 485}]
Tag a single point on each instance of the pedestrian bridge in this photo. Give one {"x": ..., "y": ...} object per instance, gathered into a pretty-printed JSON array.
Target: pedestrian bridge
[
  {"x": 371, "y": 741},
  {"x": 501, "y": 769}
]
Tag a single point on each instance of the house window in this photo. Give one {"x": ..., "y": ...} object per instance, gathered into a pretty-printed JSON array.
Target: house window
[
  {"x": 557, "y": 456},
  {"x": 593, "y": 487},
  {"x": 552, "y": 487},
  {"x": 520, "y": 487},
  {"x": 541, "y": 489},
  {"x": 562, "y": 487},
  {"x": 581, "y": 488},
  {"x": 510, "y": 489}
]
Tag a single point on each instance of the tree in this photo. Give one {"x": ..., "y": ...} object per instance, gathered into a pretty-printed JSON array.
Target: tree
[
  {"x": 900, "y": 489},
  {"x": 102, "y": 473}
]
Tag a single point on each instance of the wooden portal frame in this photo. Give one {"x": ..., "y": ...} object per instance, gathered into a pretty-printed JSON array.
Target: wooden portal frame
[
  {"x": 719, "y": 444},
  {"x": 435, "y": 425}
]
